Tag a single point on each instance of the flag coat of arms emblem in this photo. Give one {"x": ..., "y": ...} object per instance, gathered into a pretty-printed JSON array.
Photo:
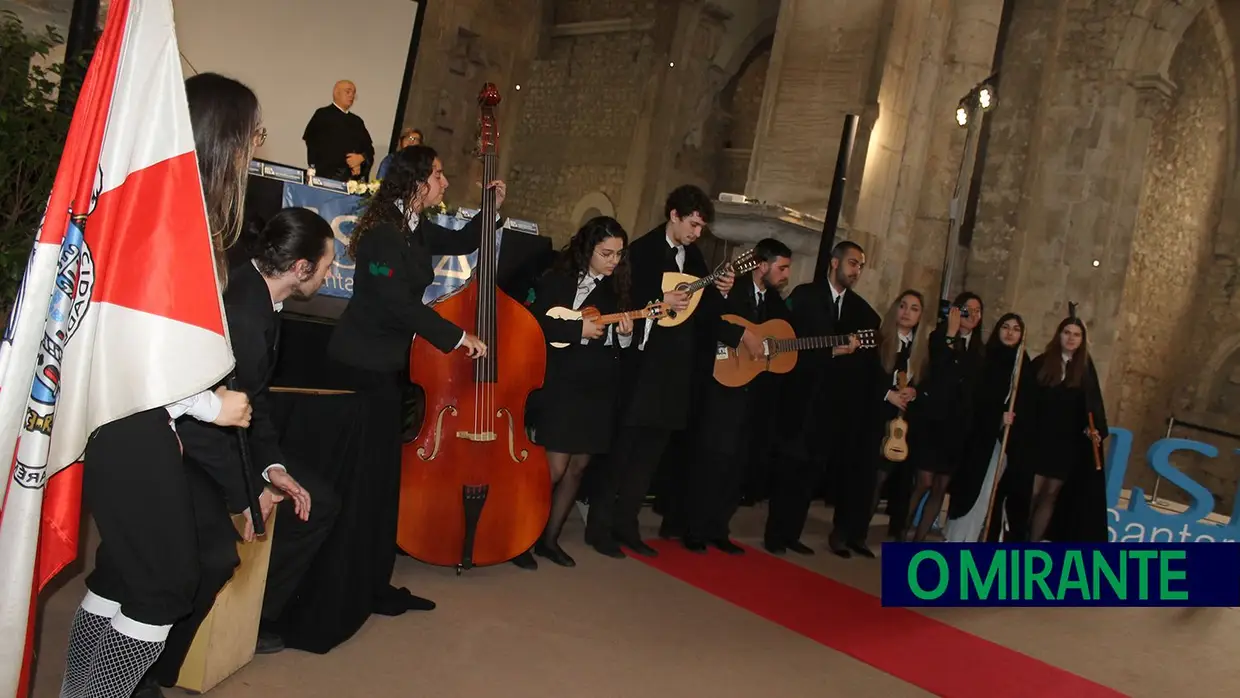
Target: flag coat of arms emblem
[{"x": 119, "y": 310}]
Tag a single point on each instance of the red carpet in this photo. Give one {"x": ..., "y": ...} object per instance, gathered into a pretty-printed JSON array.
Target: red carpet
[{"x": 903, "y": 643}]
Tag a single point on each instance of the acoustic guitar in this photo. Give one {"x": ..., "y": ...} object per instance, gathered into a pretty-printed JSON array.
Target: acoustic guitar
[
  {"x": 687, "y": 283},
  {"x": 657, "y": 309},
  {"x": 895, "y": 443},
  {"x": 736, "y": 367}
]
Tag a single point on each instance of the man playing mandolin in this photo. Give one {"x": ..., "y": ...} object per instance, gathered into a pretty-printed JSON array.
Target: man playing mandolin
[{"x": 658, "y": 371}]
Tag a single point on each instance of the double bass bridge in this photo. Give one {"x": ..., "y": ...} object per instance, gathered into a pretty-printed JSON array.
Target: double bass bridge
[{"x": 484, "y": 436}]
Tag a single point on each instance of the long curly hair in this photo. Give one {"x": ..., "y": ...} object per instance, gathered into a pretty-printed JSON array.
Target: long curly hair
[
  {"x": 406, "y": 177},
  {"x": 574, "y": 258}
]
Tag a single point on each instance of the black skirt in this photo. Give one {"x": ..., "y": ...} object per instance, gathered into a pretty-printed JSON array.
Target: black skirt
[{"x": 575, "y": 409}]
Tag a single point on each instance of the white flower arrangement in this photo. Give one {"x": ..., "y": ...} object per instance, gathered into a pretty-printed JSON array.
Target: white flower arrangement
[{"x": 362, "y": 188}]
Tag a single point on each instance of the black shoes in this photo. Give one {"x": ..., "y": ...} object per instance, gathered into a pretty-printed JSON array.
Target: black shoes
[
  {"x": 554, "y": 553},
  {"x": 394, "y": 602},
  {"x": 148, "y": 687},
  {"x": 525, "y": 561},
  {"x": 637, "y": 546},
  {"x": 693, "y": 544},
  {"x": 800, "y": 548},
  {"x": 268, "y": 643}
]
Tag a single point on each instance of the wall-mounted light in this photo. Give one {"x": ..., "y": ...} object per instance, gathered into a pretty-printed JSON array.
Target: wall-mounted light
[
  {"x": 518, "y": 88},
  {"x": 1097, "y": 263},
  {"x": 986, "y": 97},
  {"x": 672, "y": 64},
  {"x": 981, "y": 97}
]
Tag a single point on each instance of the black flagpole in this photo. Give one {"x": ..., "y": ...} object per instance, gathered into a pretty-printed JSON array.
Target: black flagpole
[
  {"x": 835, "y": 202},
  {"x": 83, "y": 29}
]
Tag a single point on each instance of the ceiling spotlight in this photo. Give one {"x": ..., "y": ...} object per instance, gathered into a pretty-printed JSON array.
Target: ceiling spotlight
[
  {"x": 962, "y": 115},
  {"x": 1097, "y": 263},
  {"x": 518, "y": 88},
  {"x": 672, "y": 64}
]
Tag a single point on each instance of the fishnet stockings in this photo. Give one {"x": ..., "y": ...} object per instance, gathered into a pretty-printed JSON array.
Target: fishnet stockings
[
  {"x": 84, "y": 634},
  {"x": 119, "y": 663}
]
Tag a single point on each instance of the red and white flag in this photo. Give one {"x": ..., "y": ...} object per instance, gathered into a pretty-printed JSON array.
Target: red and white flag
[{"x": 119, "y": 310}]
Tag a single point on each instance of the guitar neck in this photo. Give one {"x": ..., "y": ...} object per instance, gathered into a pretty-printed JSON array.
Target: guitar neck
[
  {"x": 612, "y": 318},
  {"x": 807, "y": 343}
]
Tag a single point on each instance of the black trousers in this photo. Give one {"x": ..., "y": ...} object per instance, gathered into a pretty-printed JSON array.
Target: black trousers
[
  {"x": 854, "y": 500},
  {"x": 624, "y": 483},
  {"x": 293, "y": 548},
  {"x": 137, "y": 488},
  {"x": 796, "y": 483},
  {"x": 713, "y": 493},
  {"x": 217, "y": 560}
]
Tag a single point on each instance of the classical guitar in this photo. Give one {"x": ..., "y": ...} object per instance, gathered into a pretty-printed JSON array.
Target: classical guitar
[
  {"x": 895, "y": 443},
  {"x": 657, "y": 309},
  {"x": 736, "y": 367},
  {"x": 687, "y": 283}
]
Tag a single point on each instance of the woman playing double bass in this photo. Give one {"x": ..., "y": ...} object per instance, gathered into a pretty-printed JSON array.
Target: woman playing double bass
[
  {"x": 392, "y": 245},
  {"x": 574, "y": 417}
]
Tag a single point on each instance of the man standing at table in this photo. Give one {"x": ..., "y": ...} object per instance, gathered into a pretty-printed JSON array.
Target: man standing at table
[{"x": 338, "y": 146}]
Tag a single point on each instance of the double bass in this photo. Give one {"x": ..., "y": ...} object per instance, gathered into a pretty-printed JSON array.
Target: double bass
[{"x": 474, "y": 489}]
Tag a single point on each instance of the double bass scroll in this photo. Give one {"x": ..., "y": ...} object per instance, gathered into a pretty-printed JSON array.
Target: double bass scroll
[{"x": 474, "y": 489}]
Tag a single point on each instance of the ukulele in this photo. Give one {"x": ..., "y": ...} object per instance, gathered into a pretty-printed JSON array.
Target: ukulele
[
  {"x": 895, "y": 443},
  {"x": 735, "y": 367},
  {"x": 687, "y": 283},
  {"x": 657, "y": 309}
]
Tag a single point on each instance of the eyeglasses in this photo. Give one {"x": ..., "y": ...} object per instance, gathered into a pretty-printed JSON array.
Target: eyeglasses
[
  {"x": 260, "y": 137},
  {"x": 617, "y": 255}
]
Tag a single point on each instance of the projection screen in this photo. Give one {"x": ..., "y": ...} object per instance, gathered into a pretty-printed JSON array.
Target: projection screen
[{"x": 291, "y": 53}]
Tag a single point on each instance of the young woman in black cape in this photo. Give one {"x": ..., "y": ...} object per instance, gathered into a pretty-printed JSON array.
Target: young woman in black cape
[
  {"x": 970, "y": 487},
  {"x": 573, "y": 412},
  {"x": 1056, "y": 443},
  {"x": 902, "y": 346},
  {"x": 941, "y": 418}
]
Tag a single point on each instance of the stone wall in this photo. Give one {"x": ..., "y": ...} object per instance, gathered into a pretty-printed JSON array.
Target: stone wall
[
  {"x": 464, "y": 44},
  {"x": 1179, "y": 210},
  {"x": 583, "y": 97},
  {"x": 741, "y": 105}
]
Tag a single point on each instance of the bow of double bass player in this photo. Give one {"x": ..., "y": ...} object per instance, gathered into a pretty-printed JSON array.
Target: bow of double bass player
[
  {"x": 392, "y": 245},
  {"x": 474, "y": 489}
]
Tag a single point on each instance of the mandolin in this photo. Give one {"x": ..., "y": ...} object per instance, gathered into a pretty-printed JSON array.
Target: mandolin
[
  {"x": 687, "y": 283},
  {"x": 736, "y": 367},
  {"x": 656, "y": 309},
  {"x": 895, "y": 443}
]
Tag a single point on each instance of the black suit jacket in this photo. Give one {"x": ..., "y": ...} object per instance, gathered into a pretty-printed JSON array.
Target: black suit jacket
[
  {"x": 253, "y": 328},
  {"x": 726, "y": 418},
  {"x": 821, "y": 389},
  {"x": 659, "y": 378},
  {"x": 393, "y": 269}
]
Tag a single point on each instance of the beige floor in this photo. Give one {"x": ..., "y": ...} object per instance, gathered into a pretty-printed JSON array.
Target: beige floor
[{"x": 620, "y": 629}]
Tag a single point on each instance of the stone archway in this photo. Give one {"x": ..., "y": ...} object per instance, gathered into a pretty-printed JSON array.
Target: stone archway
[
  {"x": 594, "y": 204},
  {"x": 1189, "y": 100}
]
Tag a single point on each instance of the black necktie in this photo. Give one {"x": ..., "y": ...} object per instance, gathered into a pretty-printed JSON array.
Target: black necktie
[
  {"x": 760, "y": 306},
  {"x": 839, "y": 307}
]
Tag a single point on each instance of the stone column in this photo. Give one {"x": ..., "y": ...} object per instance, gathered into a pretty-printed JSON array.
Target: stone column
[
  {"x": 960, "y": 59},
  {"x": 825, "y": 62},
  {"x": 1063, "y": 174}
]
